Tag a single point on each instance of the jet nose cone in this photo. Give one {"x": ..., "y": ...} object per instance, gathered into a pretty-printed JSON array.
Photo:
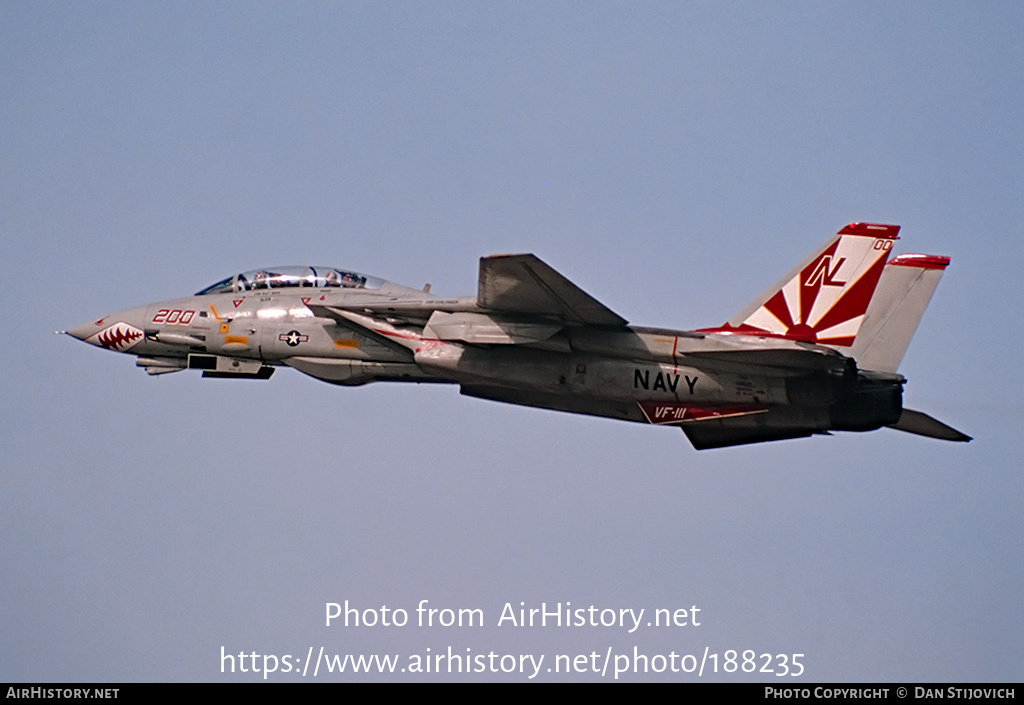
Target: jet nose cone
[
  {"x": 118, "y": 332},
  {"x": 86, "y": 330}
]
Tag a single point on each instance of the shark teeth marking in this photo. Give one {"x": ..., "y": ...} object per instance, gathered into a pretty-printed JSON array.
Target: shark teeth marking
[{"x": 118, "y": 337}]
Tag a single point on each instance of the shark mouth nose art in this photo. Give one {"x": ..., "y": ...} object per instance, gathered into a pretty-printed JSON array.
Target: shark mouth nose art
[{"x": 117, "y": 337}]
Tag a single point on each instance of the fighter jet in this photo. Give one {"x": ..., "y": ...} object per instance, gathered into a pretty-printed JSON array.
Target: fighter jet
[{"x": 816, "y": 353}]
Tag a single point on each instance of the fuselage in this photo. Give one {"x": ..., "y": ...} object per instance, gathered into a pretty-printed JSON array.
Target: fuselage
[
  {"x": 639, "y": 374},
  {"x": 531, "y": 337}
]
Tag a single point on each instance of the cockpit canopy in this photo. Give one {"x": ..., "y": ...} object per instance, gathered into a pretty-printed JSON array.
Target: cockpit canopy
[{"x": 290, "y": 277}]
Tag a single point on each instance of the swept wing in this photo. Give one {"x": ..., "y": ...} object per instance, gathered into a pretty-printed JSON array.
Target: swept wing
[{"x": 525, "y": 284}]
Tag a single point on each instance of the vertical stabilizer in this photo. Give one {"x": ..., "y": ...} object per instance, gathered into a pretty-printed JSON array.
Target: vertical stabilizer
[
  {"x": 824, "y": 298},
  {"x": 903, "y": 293}
]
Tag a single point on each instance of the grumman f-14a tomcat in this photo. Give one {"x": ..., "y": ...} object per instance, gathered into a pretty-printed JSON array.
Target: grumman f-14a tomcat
[{"x": 817, "y": 352}]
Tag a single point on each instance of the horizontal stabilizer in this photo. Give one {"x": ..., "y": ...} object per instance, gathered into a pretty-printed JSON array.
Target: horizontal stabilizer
[
  {"x": 924, "y": 425},
  {"x": 525, "y": 284},
  {"x": 706, "y": 436}
]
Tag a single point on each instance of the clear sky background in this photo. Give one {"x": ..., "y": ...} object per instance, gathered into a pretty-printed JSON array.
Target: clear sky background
[{"x": 673, "y": 159}]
